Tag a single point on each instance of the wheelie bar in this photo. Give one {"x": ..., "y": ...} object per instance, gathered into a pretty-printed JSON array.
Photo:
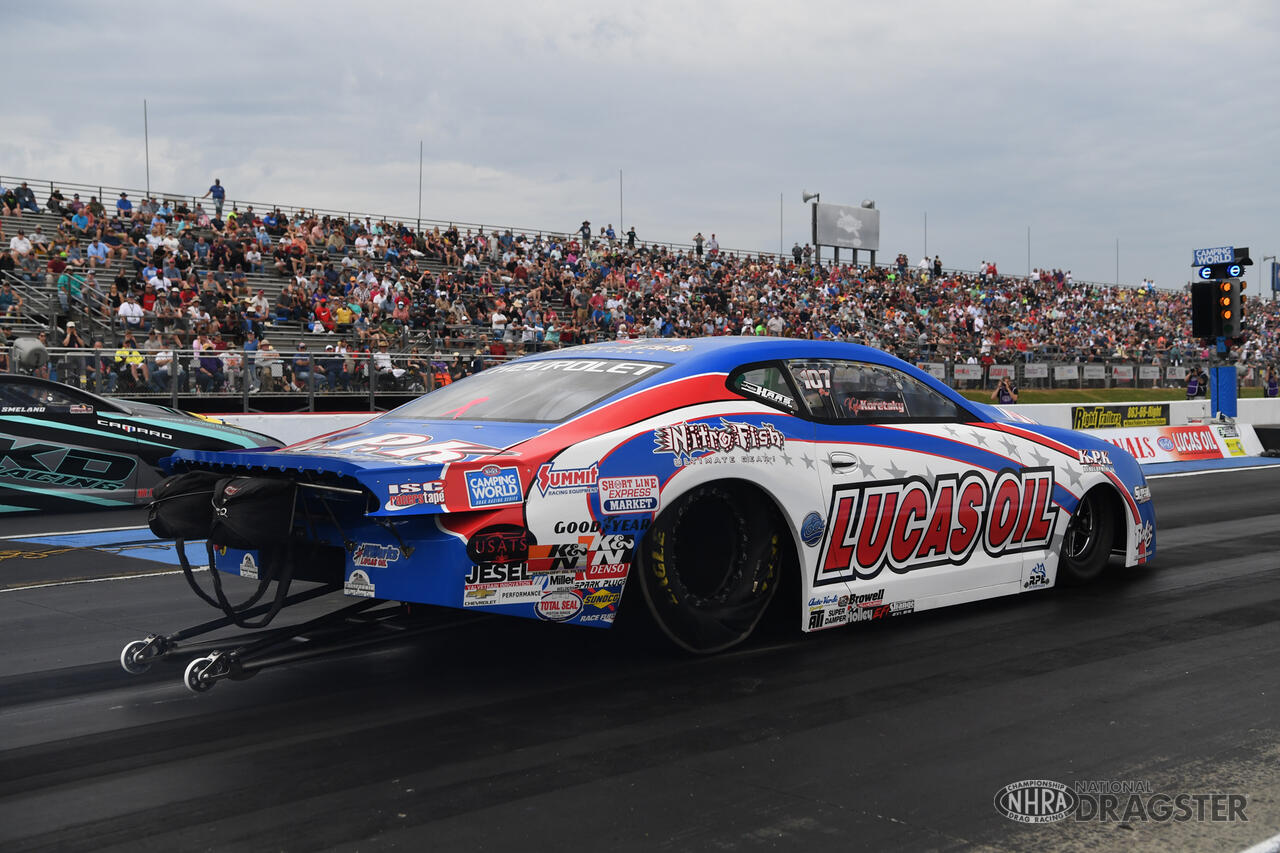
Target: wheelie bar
[{"x": 364, "y": 623}]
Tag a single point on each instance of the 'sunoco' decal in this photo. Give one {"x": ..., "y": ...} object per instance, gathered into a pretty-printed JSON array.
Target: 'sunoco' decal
[
  {"x": 811, "y": 529},
  {"x": 911, "y": 524},
  {"x": 494, "y": 486}
]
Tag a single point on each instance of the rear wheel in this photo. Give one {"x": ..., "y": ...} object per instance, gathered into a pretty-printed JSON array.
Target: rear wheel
[
  {"x": 1086, "y": 544},
  {"x": 710, "y": 566}
]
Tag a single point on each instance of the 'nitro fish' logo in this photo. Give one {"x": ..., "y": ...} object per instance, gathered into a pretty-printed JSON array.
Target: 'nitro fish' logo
[
  {"x": 909, "y": 524},
  {"x": 689, "y": 439}
]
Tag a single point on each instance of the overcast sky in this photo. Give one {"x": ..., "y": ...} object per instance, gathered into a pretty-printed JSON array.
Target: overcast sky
[{"x": 1152, "y": 123}]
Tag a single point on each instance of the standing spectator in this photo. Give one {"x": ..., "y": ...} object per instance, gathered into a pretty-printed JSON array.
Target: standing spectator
[
  {"x": 219, "y": 193},
  {"x": 1271, "y": 388},
  {"x": 585, "y": 231},
  {"x": 698, "y": 240},
  {"x": 631, "y": 237},
  {"x": 713, "y": 246}
]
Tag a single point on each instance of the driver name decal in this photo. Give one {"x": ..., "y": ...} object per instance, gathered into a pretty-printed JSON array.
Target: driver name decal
[{"x": 911, "y": 524}]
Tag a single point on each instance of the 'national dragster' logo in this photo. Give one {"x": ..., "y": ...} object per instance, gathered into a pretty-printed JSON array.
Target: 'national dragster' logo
[
  {"x": 910, "y": 524},
  {"x": 691, "y": 439}
]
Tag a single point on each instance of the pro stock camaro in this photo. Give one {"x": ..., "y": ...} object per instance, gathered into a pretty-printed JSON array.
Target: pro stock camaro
[{"x": 699, "y": 474}]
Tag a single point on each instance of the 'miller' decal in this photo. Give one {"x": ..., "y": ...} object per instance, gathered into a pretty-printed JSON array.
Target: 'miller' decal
[{"x": 909, "y": 524}]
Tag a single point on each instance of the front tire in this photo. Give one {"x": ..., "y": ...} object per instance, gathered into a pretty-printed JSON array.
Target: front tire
[
  {"x": 1087, "y": 541},
  {"x": 710, "y": 565}
]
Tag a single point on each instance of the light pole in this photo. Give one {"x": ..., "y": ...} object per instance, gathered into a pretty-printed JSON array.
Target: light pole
[
  {"x": 806, "y": 196},
  {"x": 1262, "y": 276}
]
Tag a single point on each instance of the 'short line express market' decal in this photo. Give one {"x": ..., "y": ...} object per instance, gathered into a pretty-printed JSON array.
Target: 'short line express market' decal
[{"x": 909, "y": 524}]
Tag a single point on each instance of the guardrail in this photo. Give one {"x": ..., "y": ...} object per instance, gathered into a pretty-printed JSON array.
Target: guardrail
[{"x": 304, "y": 375}]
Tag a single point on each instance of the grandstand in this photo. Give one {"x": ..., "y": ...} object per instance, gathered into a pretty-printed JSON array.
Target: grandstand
[{"x": 474, "y": 294}]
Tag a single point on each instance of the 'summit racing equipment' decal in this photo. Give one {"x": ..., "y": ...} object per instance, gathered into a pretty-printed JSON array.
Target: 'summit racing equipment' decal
[{"x": 910, "y": 524}]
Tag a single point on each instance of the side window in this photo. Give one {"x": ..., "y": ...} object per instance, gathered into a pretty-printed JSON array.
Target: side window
[
  {"x": 869, "y": 393},
  {"x": 766, "y": 384}
]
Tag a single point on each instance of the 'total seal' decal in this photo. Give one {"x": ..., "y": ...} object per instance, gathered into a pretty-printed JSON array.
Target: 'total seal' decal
[{"x": 909, "y": 524}]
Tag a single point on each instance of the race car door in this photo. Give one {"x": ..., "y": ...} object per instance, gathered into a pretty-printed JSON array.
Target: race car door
[{"x": 909, "y": 497}]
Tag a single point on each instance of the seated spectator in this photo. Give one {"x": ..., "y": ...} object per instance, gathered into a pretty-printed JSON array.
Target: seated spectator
[
  {"x": 10, "y": 301},
  {"x": 168, "y": 370},
  {"x": 131, "y": 366},
  {"x": 80, "y": 221},
  {"x": 100, "y": 370},
  {"x": 20, "y": 245},
  {"x": 132, "y": 315},
  {"x": 56, "y": 203},
  {"x": 9, "y": 205},
  {"x": 269, "y": 366},
  {"x": 301, "y": 367},
  {"x": 124, "y": 207},
  {"x": 26, "y": 198},
  {"x": 208, "y": 371},
  {"x": 97, "y": 252}
]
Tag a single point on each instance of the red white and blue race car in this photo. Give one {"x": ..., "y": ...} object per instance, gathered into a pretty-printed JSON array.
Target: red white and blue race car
[{"x": 699, "y": 475}]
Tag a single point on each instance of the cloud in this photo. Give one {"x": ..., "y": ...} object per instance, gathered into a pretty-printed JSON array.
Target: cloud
[{"x": 1153, "y": 123}]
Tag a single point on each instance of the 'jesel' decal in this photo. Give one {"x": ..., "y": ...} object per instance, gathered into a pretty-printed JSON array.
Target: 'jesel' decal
[{"x": 909, "y": 524}]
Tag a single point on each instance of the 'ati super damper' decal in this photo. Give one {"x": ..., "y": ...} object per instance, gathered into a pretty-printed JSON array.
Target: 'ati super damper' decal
[{"x": 911, "y": 524}]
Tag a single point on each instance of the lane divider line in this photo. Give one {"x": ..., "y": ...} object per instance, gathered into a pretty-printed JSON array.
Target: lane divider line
[{"x": 99, "y": 580}]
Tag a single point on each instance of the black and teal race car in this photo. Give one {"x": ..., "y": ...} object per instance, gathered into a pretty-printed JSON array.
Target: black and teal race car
[{"x": 62, "y": 448}]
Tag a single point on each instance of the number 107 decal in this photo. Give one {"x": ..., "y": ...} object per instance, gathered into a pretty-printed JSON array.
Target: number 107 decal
[{"x": 911, "y": 524}]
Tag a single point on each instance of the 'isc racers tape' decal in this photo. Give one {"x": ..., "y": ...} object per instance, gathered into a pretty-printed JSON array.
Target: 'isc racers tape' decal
[{"x": 910, "y": 524}]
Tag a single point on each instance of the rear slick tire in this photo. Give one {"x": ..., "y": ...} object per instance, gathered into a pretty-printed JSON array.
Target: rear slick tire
[{"x": 710, "y": 565}]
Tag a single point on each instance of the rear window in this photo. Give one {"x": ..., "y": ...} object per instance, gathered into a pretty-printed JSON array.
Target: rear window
[{"x": 547, "y": 391}]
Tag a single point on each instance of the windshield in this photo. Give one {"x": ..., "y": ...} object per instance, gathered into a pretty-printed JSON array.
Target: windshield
[{"x": 546, "y": 391}]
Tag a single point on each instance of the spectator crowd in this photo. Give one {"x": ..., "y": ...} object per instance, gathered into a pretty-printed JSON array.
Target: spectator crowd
[{"x": 172, "y": 290}]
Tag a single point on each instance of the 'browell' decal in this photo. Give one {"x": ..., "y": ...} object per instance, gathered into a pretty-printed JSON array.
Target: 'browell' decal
[{"x": 909, "y": 524}]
